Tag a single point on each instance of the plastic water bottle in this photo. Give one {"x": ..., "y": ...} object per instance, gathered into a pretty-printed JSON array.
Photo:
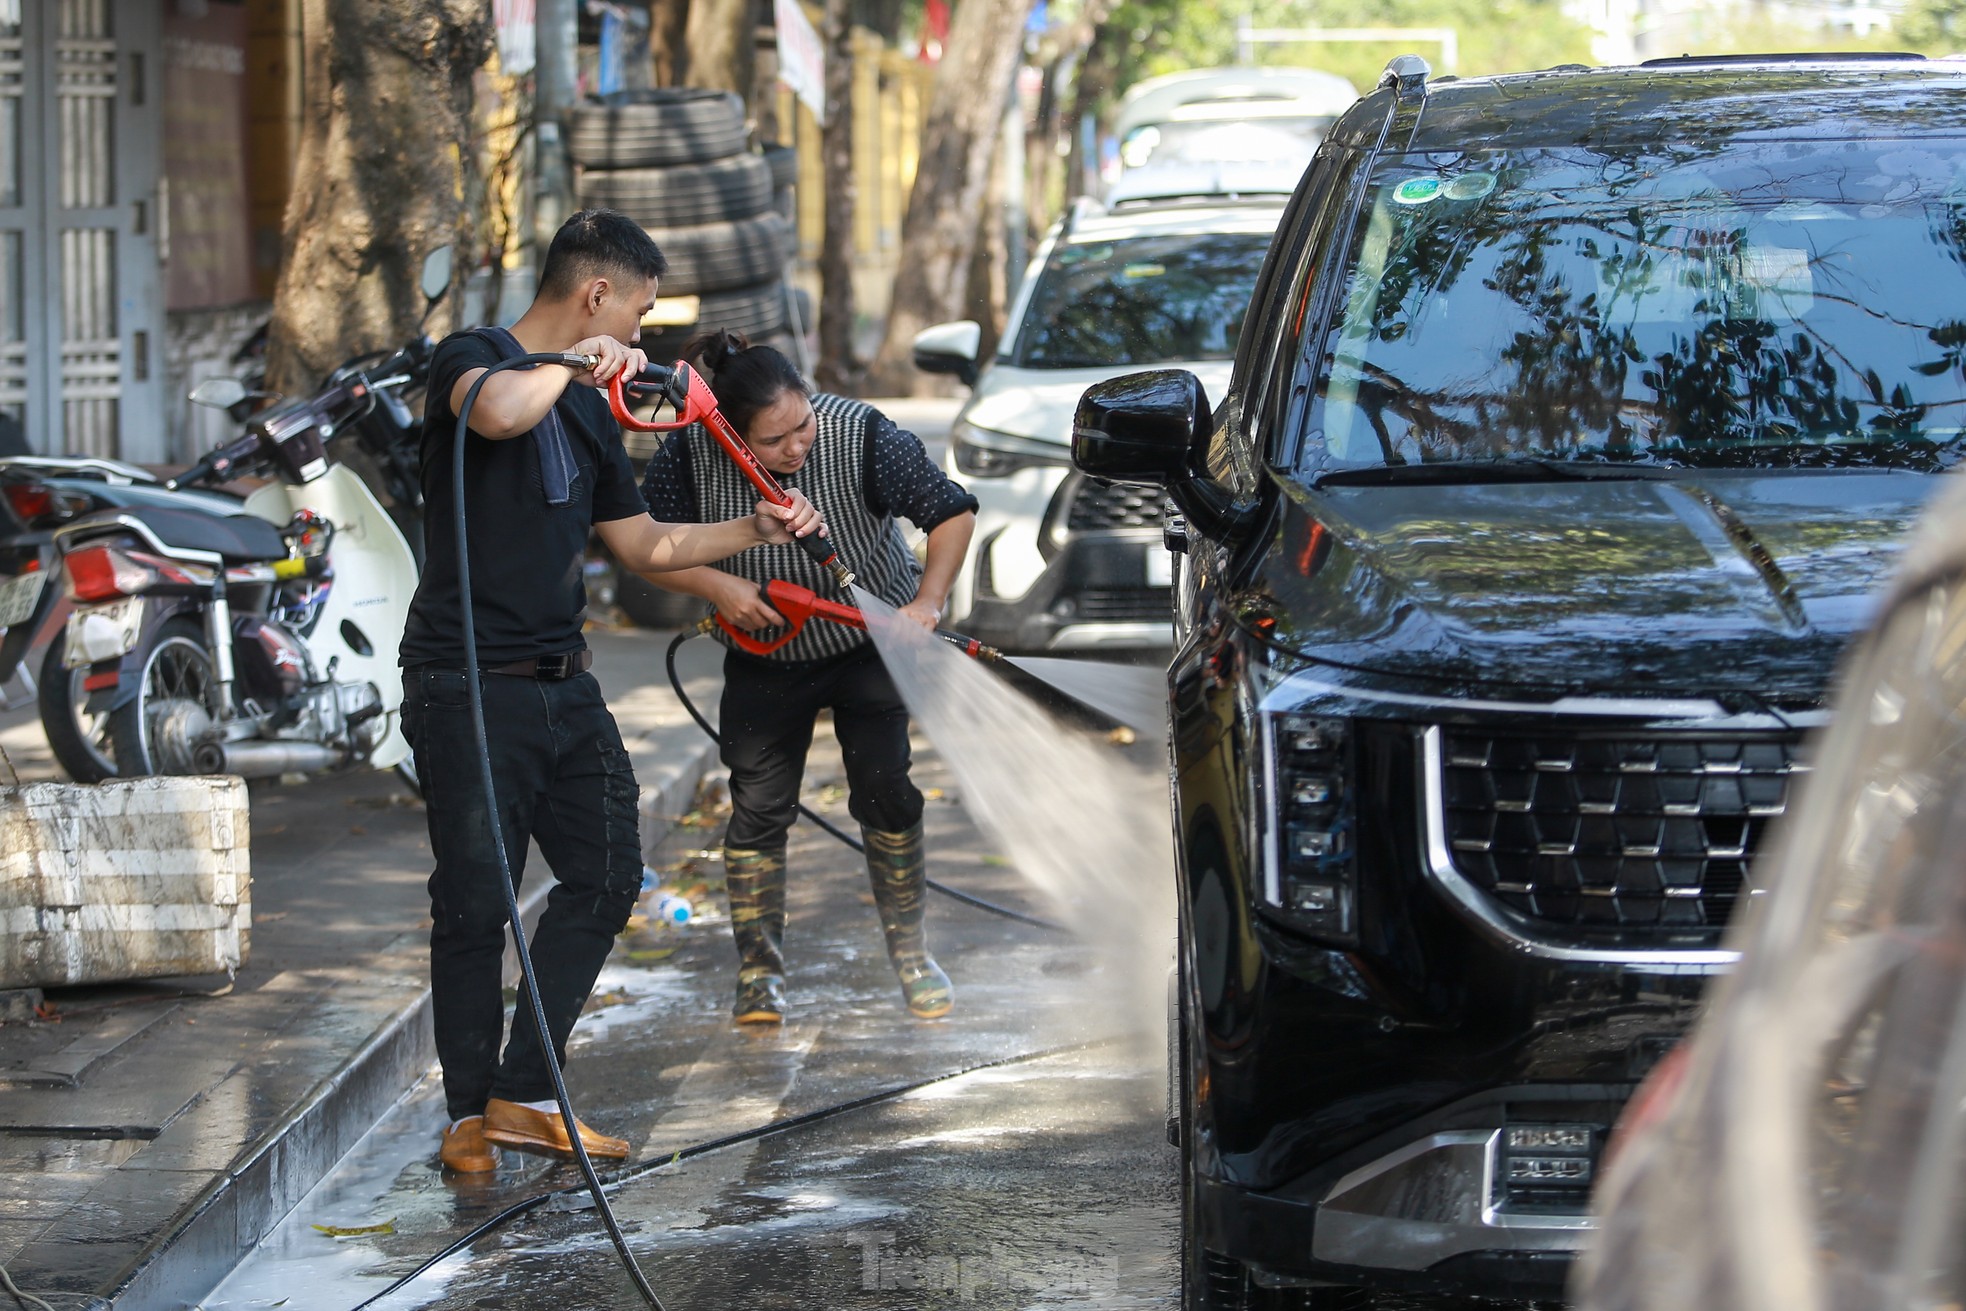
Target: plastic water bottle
[{"x": 673, "y": 910}]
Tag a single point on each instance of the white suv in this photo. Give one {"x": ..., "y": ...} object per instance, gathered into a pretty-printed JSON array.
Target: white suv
[{"x": 1062, "y": 562}]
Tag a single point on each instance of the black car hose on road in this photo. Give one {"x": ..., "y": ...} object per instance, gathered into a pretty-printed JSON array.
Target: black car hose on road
[
  {"x": 559, "y": 1198},
  {"x": 954, "y": 894},
  {"x": 594, "y": 1185},
  {"x": 475, "y": 695}
]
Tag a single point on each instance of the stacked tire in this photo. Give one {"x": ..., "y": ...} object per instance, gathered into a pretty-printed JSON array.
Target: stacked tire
[{"x": 679, "y": 163}]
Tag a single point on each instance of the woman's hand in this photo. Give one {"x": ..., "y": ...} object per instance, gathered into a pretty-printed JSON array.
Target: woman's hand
[
  {"x": 742, "y": 605},
  {"x": 922, "y": 612},
  {"x": 779, "y": 524}
]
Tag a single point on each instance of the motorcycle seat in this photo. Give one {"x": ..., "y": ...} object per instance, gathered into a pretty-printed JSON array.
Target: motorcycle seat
[{"x": 237, "y": 538}]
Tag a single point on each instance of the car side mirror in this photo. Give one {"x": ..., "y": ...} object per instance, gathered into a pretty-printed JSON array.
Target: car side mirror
[
  {"x": 1142, "y": 427},
  {"x": 1151, "y": 428},
  {"x": 219, "y": 393},
  {"x": 950, "y": 348}
]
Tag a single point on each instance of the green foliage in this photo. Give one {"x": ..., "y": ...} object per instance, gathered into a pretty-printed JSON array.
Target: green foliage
[
  {"x": 1759, "y": 32},
  {"x": 1496, "y": 36},
  {"x": 1933, "y": 27}
]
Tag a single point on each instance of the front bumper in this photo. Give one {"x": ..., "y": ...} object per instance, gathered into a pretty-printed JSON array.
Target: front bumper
[
  {"x": 1352, "y": 1098},
  {"x": 1426, "y": 1208}
]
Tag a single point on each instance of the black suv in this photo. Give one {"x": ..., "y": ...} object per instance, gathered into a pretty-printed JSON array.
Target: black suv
[{"x": 1576, "y": 416}]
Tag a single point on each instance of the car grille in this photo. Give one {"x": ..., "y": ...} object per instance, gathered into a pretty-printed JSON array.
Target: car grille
[
  {"x": 1101, "y": 506},
  {"x": 1122, "y": 604},
  {"x": 1613, "y": 831}
]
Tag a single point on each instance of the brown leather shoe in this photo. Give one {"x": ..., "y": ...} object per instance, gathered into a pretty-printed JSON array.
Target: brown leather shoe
[
  {"x": 465, "y": 1149},
  {"x": 521, "y": 1127}
]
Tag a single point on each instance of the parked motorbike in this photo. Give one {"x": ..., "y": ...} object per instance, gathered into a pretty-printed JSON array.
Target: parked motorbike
[
  {"x": 38, "y": 493},
  {"x": 260, "y": 643}
]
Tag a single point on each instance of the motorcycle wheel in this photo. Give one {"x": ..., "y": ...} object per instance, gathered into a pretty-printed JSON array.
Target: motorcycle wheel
[
  {"x": 176, "y": 668},
  {"x": 79, "y": 739}
]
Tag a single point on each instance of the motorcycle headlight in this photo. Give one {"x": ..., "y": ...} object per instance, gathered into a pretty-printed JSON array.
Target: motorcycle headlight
[
  {"x": 984, "y": 453},
  {"x": 1312, "y": 878}
]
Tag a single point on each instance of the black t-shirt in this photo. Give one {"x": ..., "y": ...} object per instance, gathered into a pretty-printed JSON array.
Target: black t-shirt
[{"x": 527, "y": 584}]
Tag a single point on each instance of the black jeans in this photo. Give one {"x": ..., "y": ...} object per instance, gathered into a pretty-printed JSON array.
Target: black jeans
[
  {"x": 563, "y": 780},
  {"x": 766, "y": 723}
]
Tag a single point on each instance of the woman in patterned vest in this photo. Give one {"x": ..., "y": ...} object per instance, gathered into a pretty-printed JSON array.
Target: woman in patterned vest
[{"x": 862, "y": 472}]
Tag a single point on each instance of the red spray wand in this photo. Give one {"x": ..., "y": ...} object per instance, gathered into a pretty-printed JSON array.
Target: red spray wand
[
  {"x": 693, "y": 401},
  {"x": 800, "y": 604}
]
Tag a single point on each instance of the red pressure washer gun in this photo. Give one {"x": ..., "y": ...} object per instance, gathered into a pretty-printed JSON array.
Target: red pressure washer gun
[
  {"x": 800, "y": 604},
  {"x": 693, "y": 402}
]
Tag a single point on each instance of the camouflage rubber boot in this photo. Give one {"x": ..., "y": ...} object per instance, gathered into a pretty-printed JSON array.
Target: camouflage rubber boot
[
  {"x": 899, "y": 872},
  {"x": 755, "y": 881}
]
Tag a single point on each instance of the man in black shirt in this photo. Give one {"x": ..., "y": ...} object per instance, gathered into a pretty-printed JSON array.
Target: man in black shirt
[{"x": 550, "y": 467}]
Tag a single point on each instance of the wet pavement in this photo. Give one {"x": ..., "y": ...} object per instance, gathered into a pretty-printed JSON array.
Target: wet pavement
[
  {"x": 146, "y": 1129},
  {"x": 1047, "y": 1176}
]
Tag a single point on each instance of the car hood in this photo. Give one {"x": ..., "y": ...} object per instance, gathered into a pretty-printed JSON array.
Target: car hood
[
  {"x": 1703, "y": 583},
  {"x": 1039, "y": 403}
]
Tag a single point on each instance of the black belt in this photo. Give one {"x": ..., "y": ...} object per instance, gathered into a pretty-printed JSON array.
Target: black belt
[{"x": 564, "y": 665}]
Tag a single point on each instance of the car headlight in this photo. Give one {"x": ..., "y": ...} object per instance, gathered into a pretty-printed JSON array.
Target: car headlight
[
  {"x": 1312, "y": 878},
  {"x": 983, "y": 453}
]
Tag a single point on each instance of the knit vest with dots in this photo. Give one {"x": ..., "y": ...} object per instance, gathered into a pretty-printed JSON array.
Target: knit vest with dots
[{"x": 831, "y": 477}]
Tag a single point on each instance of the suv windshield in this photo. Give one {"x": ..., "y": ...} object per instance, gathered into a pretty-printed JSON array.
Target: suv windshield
[
  {"x": 1140, "y": 301},
  {"x": 1764, "y": 303}
]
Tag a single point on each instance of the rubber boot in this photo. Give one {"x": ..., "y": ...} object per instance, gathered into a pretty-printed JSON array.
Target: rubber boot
[
  {"x": 899, "y": 871},
  {"x": 756, "y": 883}
]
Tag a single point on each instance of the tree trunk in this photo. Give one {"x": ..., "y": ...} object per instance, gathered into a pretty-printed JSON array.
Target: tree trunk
[
  {"x": 381, "y": 177},
  {"x": 720, "y": 45},
  {"x": 838, "y": 369},
  {"x": 669, "y": 40},
  {"x": 965, "y": 114},
  {"x": 989, "y": 262},
  {"x": 1097, "y": 73}
]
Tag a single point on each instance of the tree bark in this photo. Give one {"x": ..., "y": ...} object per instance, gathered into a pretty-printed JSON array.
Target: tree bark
[
  {"x": 838, "y": 368},
  {"x": 989, "y": 262},
  {"x": 720, "y": 45},
  {"x": 669, "y": 40},
  {"x": 959, "y": 135},
  {"x": 1098, "y": 72},
  {"x": 382, "y": 177}
]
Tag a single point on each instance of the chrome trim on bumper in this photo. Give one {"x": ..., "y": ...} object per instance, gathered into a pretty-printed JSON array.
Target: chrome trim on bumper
[
  {"x": 1480, "y": 911},
  {"x": 1429, "y": 1201},
  {"x": 1097, "y": 636}
]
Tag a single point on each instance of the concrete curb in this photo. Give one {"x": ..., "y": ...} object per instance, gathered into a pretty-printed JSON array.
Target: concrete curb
[{"x": 243, "y": 1205}]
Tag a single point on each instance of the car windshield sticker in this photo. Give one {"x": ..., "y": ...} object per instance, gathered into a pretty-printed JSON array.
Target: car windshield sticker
[
  {"x": 1469, "y": 186},
  {"x": 1144, "y": 270},
  {"x": 1416, "y": 191}
]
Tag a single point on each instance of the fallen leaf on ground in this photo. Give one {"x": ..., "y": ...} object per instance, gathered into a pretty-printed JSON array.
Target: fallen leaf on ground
[{"x": 357, "y": 1231}]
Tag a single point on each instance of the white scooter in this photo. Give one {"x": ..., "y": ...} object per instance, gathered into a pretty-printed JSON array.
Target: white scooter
[{"x": 262, "y": 643}]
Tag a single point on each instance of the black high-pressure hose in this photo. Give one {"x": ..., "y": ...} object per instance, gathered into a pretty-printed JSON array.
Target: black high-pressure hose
[
  {"x": 638, "y": 1169},
  {"x": 955, "y": 894},
  {"x": 477, "y": 703},
  {"x": 593, "y": 1183}
]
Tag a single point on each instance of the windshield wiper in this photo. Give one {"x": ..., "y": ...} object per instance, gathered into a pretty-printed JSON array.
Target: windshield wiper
[{"x": 1520, "y": 469}]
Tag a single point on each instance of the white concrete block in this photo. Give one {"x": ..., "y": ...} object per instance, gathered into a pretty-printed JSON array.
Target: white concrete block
[{"x": 123, "y": 880}]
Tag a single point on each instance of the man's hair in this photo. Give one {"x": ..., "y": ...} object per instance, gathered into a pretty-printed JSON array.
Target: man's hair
[{"x": 598, "y": 243}]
